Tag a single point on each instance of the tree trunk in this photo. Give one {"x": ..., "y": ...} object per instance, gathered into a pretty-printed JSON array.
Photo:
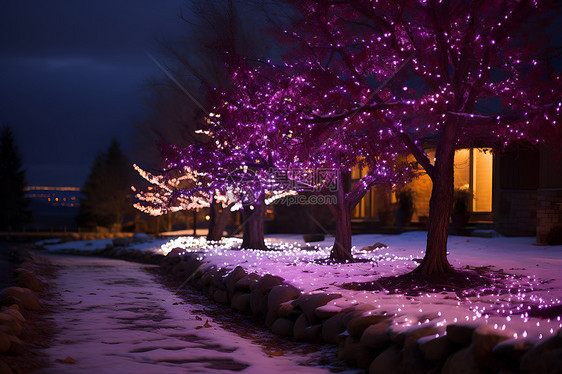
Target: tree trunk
[
  {"x": 341, "y": 251},
  {"x": 253, "y": 236},
  {"x": 215, "y": 233},
  {"x": 342, "y": 244},
  {"x": 435, "y": 258}
]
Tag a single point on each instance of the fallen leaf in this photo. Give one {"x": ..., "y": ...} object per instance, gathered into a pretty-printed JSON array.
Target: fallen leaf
[
  {"x": 207, "y": 324},
  {"x": 198, "y": 318},
  {"x": 67, "y": 360},
  {"x": 273, "y": 353}
]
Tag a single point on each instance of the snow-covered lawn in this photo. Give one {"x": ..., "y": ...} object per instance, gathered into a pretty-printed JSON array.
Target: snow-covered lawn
[{"x": 525, "y": 280}]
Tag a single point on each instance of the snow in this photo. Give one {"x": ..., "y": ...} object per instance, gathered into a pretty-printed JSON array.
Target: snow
[
  {"x": 531, "y": 274},
  {"x": 114, "y": 318}
]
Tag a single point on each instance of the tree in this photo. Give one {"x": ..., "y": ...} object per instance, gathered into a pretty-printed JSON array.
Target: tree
[
  {"x": 13, "y": 205},
  {"x": 440, "y": 74},
  {"x": 106, "y": 190}
]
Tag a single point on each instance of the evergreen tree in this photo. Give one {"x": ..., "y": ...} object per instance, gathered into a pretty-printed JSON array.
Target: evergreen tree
[
  {"x": 13, "y": 205},
  {"x": 106, "y": 191}
]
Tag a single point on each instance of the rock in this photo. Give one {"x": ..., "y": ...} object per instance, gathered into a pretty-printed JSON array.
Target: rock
[
  {"x": 313, "y": 333},
  {"x": 280, "y": 294},
  {"x": 259, "y": 295},
  {"x": 241, "y": 302},
  {"x": 309, "y": 302},
  {"x": 121, "y": 242},
  {"x": 300, "y": 325},
  {"x": 357, "y": 325},
  {"x": 220, "y": 296},
  {"x": 435, "y": 350},
  {"x": 231, "y": 278},
  {"x": 388, "y": 362},
  {"x": 244, "y": 283},
  {"x": 332, "y": 327},
  {"x": 15, "y": 313},
  {"x": 412, "y": 361},
  {"x": 4, "y": 343},
  {"x": 4, "y": 368},
  {"x": 484, "y": 339},
  {"x": 208, "y": 276},
  {"x": 140, "y": 237},
  {"x": 17, "y": 346},
  {"x": 285, "y": 308},
  {"x": 283, "y": 327},
  {"x": 461, "y": 362},
  {"x": 417, "y": 332},
  {"x": 25, "y": 296},
  {"x": 12, "y": 322},
  {"x": 376, "y": 336},
  {"x": 327, "y": 311},
  {"x": 545, "y": 357},
  {"x": 353, "y": 351},
  {"x": 513, "y": 348},
  {"x": 461, "y": 333},
  {"x": 27, "y": 279},
  {"x": 270, "y": 317}
]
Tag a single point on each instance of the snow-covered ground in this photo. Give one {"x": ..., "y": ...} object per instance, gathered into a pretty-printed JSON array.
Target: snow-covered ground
[
  {"x": 527, "y": 278},
  {"x": 114, "y": 318}
]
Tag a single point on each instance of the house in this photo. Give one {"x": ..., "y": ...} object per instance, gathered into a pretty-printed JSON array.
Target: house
[{"x": 518, "y": 193}]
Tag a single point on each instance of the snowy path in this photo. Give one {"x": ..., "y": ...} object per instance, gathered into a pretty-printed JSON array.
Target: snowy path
[{"x": 114, "y": 318}]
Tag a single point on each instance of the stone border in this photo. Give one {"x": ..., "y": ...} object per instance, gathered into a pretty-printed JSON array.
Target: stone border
[{"x": 365, "y": 337}]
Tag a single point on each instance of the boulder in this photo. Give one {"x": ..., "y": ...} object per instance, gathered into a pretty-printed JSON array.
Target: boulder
[
  {"x": 545, "y": 357},
  {"x": 285, "y": 308},
  {"x": 299, "y": 328},
  {"x": 357, "y": 325},
  {"x": 241, "y": 302},
  {"x": 270, "y": 317},
  {"x": 27, "y": 279},
  {"x": 11, "y": 322},
  {"x": 244, "y": 283},
  {"x": 461, "y": 333},
  {"x": 461, "y": 362},
  {"x": 17, "y": 346},
  {"x": 309, "y": 302},
  {"x": 283, "y": 327},
  {"x": 376, "y": 336},
  {"x": 234, "y": 276},
  {"x": 313, "y": 333},
  {"x": 220, "y": 296},
  {"x": 259, "y": 295},
  {"x": 353, "y": 351},
  {"x": 327, "y": 311},
  {"x": 388, "y": 362},
  {"x": 413, "y": 361},
  {"x": 27, "y": 298},
  {"x": 122, "y": 242},
  {"x": 417, "y": 332},
  {"x": 280, "y": 294},
  {"x": 435, "y": 350},
  {"x": 15, "y": 313},
  {"x": 5, "y": 368},
  {"x": 4, "y": 343},
  {"x": 484, "y": 339}
]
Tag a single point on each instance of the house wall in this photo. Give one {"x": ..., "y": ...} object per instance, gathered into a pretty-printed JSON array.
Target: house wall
[
  {"x": 517, "y": 212},
  {"x": 549, "y": 213}
]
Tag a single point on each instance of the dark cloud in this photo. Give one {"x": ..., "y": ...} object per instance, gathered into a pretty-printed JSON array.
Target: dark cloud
[{"x": 71, "y": 74}]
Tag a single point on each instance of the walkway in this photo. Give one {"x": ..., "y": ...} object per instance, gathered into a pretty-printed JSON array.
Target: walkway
[{"x": 114, "y": 318}]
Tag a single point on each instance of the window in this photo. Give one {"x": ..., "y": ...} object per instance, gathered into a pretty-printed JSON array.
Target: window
[{"x": 473, "y": 172}]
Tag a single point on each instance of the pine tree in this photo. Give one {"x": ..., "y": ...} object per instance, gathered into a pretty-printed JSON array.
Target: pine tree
[
  {"x": 13, "y": 205},
  {"x": 106, "y": 191}
]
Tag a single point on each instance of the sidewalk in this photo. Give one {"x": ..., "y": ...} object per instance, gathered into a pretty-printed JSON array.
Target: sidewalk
[{"x": 114, "y": 318}]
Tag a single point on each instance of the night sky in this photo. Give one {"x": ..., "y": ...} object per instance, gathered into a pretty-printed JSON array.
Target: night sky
[{"x": 72, "y": 75}]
